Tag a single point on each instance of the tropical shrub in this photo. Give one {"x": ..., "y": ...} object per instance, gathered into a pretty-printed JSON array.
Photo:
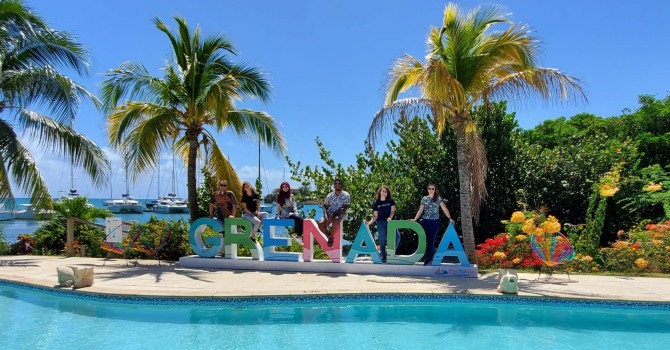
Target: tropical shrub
[
  {"x": 50, "y": 238},
  {"x": 646, "y": 248},
  {"x": 151, "y": 242},
  {"x": 510, "y": 249}
]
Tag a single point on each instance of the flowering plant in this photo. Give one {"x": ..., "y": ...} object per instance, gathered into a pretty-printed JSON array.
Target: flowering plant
[
  {"x": 646, "y": 248},
  {"x": 509, "y": 249}
]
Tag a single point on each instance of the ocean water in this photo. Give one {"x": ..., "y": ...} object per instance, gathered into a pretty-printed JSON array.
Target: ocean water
[{"x": 13, "y": 228}]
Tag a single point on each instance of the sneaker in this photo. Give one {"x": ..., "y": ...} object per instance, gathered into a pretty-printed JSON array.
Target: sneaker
[{"x": 298, "y": 240}]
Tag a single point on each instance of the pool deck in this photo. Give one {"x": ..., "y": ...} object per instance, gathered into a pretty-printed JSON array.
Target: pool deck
[{"x": 115, "y": 276}]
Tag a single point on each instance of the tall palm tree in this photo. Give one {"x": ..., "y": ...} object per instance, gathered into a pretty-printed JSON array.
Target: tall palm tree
[
  {"x": 30, "y": 55},
  {"x": 469, "y": 64},
  {"x": 197, "y": 90}
]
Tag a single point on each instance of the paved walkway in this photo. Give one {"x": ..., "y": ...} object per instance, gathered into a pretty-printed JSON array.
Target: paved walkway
[{"x": 147, "y": 278}]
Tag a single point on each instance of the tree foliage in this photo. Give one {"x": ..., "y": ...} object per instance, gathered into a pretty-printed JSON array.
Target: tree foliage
[
  {"x": 184, "y": 109},
  {"x": 33, "y": 57}
]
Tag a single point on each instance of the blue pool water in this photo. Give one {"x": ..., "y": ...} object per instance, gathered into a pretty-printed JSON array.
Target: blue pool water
[{"x": 36, "y": 318}]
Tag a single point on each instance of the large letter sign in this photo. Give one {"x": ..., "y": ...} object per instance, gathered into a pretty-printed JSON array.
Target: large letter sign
[
  {"x": 364, "y": 244},
  {"x": 270, "y": 241},
  {"x": 233, "y": 238},
  {"x": 237, "y": 232},
  {"x": 311, "y": 230},
  {"x": 405, "y": 259},
  {"x": 197, "y": 242},
  {"x": 450, "y": 238}
]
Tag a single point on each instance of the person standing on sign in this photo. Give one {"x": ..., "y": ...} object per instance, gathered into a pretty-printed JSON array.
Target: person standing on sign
[
  {"x": 334, "y": 209},
  {"x": 383, "y": 210},
  {"x": 223, "y": 203},
  {"x": 429, "y": 212}
]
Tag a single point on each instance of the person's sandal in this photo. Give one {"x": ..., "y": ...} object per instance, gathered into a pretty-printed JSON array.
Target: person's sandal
[
  {"x": 330, "y": 241},
  {"x": 252, "y": 238}
]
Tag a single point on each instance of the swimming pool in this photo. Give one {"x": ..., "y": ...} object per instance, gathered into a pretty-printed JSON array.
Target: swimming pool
[{"x": 37, "y": 317}]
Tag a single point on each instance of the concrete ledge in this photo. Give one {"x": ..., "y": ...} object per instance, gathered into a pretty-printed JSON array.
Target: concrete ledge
[{"x": 326, "y": 266}]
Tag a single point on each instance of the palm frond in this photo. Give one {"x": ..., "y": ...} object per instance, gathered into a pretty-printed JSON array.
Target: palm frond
[
  {"x": 546, "y": 83},
  {"x": 389, "y": 114},
  {"x": 252, "y": 82},
  {"x": 129, "y": 116},
  {"x": 6, "y": 195},
  {"x": 19, "y": 165},
  {"x": 47, "y": 88},
  {"x": 219, "y": 165},
  {"x": 255, "y": 125},
  {"x": 17, "y": 18},
  {"x": 65, "y": 141},
  {"x": 405, "y": 73},
  {"x": 141, "y": 148},
  {"x": 132, "y": 81},
  {"x": 52, "y": 48}
]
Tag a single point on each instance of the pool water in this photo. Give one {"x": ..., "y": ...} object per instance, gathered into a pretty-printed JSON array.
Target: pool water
[{"x": 34, "y": 318}]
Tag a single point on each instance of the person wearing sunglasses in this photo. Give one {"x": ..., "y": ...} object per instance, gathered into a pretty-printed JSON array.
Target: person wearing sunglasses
[
  {"x": 223, "y": 203},
  {"x": 334, "y": 208},
  {"x": 429, "y": 212}
]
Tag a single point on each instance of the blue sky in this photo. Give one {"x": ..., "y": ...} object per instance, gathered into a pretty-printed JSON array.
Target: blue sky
[{"x": 327, "y": 61}]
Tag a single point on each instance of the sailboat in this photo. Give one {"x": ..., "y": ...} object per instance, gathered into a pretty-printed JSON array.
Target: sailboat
[
  {"x": 73, "y": 193},
  {"x": 264, "y": 207},
  {"x": 171, "y": 203},
  {"x": 126, "y": 204}
]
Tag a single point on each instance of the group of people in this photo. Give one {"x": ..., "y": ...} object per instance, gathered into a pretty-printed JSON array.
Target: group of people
[{"x": 224, "y": 205}]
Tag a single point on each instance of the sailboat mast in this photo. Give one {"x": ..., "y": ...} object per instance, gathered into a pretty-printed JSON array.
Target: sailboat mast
[
  {"x": 259, "y": 161},
  {"x": 159, "y": 179},
  {"x": 127, "y": 184},
  {"x": 174, "y": 175},
  {"x": 71, "y": 162}
]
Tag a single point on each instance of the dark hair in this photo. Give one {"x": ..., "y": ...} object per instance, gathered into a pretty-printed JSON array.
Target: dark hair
[
  {"x": 253, "y": 191},
  {"x": 389, "y": 196},
  {"x": 436, "y": 194},
  {"x": 338, "y": 180},
  {"x": 283, "y": 196}
]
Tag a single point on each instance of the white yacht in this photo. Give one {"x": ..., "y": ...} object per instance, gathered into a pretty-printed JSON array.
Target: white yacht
[
  {"x": 124, "y": 205},
  {"x": 5, "y": 214},
  {"x": 30, "y": 213},
  {"x": 171, "y": 204}
]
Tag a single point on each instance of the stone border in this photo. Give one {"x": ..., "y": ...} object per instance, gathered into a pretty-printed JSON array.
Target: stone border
[{"x": 340, "y": 299}]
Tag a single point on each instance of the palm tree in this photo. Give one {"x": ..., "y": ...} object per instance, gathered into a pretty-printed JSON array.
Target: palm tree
[
  {"x": 197, "y": 90},
  {"x": 30, "y": 55},
  {"x": 469, "y": 64},
  {"x": 79, "y": 208}
]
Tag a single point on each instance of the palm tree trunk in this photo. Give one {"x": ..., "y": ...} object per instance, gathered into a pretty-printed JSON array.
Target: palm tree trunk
[
  {"x": 465, "y": 193},
  {"x": 190, "y": 176}
]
